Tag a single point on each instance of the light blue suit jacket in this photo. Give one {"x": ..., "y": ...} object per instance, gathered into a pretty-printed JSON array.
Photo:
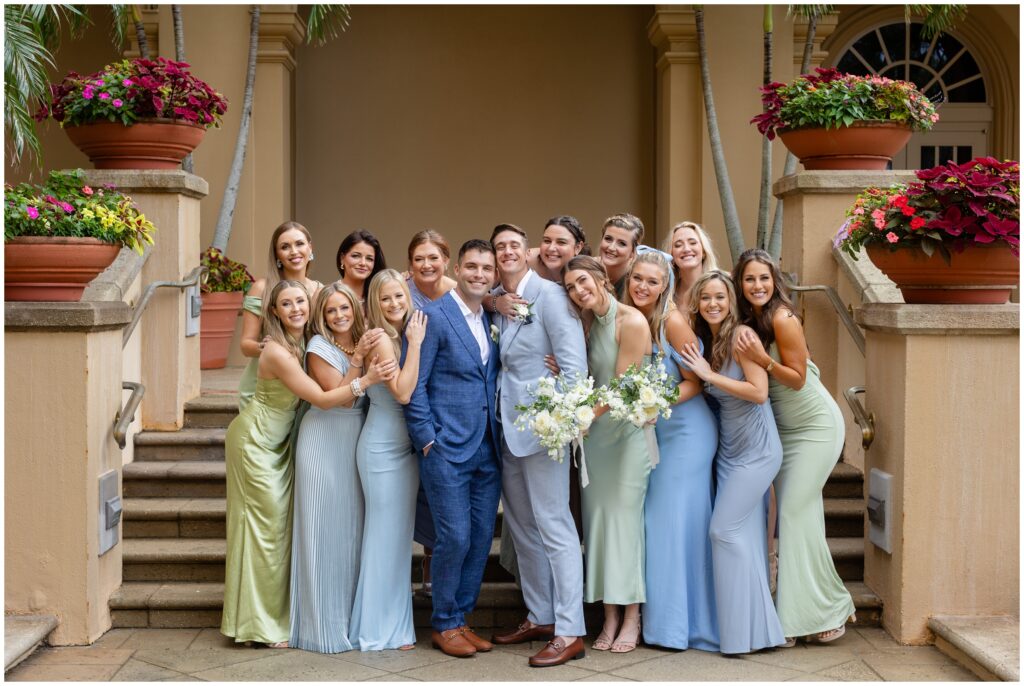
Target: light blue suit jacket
[
  {"x": 454, "y": 399},
  {"x": 554, "y": 329}
]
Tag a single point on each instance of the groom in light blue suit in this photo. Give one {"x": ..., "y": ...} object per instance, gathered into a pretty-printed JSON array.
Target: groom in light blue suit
[
  {"x": 452, "y": 423},
  {"x": 535, "y": 488}
]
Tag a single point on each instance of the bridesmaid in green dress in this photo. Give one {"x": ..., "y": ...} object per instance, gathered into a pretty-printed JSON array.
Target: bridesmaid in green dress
[
  {"x": 617, "y": 460},
  {"x": 811, "y": 599},
  {"x": 259, "y": 474},
  {"x": 291, "y": 252}
]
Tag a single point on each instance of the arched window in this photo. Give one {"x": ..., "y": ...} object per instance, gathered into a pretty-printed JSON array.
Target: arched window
[{"x": 944, "y": 69}]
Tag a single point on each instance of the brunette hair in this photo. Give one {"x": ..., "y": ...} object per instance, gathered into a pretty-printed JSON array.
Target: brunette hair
[
  {"x": 318, "y": 318},
  {"x": 659, "y": 314},
  {"x": 626, "y": 221},
  {"x": 709, "y": 261},
  {"x": 375, "y": 315},
  {"x": 271, "y": 323},
  {"x": 350, "y": 242},
  {"x": 716, "y": 348},
  {"x": 429, "y": 236},
  {"x": 476, "y": 244},
  {"x": 275, "y": 273},
  {"x": 509, "y": 227},
  {"x": 572, "y": 225},
  {"x": 762, "y": 324}
]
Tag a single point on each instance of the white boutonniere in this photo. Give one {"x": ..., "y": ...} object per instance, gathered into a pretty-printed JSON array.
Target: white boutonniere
[
  {"x": 522, "y": 313},
  {"x": 494, "y": 333}
]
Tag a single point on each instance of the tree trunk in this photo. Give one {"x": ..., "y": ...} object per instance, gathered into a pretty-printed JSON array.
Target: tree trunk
[
  {"x": 733, "y": 231},
  {"x": 775, "y": 244},
  {"x": 764, "y": 201},
  {"x": 227, "y": 207},
  {"x": 140, "y": 32},
  {"x": 179, "y": 56}
]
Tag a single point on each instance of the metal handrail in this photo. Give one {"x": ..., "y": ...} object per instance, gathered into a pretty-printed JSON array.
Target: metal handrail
[
  {"x": 191, "y": 280},
  {"x": 864, "y": 419},
  {"x": 839, "y": 307},
  {"x": 126, "y": 414}
]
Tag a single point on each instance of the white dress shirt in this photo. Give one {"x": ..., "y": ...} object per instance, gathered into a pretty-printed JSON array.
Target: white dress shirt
[{"x": 476, "y": 326}]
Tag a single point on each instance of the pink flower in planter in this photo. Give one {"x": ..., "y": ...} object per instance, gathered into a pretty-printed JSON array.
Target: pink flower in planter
[
  {"x": 858, "y": 211},
  {"x": 127, "y": 82},
  {"x": 878, "y": 214},
  {"x": 32, "y": 212},
  {"x": 891, "y": 237},
  {"x": 104, "y": 96},
  {"x": 66, "y": 207},
  {"x": 87, "y": 93},
  {"x": 880, "y": 223},
  {"x": 86, "y": 190},
  {"x": 117, "y": 102}
]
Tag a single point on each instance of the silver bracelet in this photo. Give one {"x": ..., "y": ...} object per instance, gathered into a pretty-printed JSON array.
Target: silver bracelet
[{"x": 357, "y": 388}]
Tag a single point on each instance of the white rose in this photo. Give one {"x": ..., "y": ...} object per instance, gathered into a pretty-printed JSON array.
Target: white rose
[
  {"x": 648, "y": 396},
  {"x": 585, "y": 417},
  {"x": 545, "y": 388},
  {"x": 651, "y": 412}
]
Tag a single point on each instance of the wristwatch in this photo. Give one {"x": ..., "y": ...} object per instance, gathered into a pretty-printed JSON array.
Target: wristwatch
[{"x": 770, "y": 366}]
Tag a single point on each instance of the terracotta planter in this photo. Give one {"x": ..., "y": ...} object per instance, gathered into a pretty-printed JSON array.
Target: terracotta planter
[
  {"x": 980, "y": 275},
  {"x": 217, "y": 327},
  {"x": 38, "y": 268},
  {"x": 147, "y": 144},
  {"x": 862, "y": 145}
]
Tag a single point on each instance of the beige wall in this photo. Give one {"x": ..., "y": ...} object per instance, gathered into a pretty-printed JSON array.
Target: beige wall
[{"x": 458, "y": 118}]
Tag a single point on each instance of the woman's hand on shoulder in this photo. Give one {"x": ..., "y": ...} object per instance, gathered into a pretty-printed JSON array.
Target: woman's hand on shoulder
[
  {"x": 749, "y": 345},
  {"x": 416, "y": 328},
  {"x": 381, "y": 370},
  {"x": 695, "y": 361}
]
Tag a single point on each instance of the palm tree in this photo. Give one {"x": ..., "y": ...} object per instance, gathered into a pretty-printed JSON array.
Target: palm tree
[
  {"x": 129, "y": 17},
  {"x": 32, "y": 32},
  {"x": 764, "y": 201},
  {"x": 324, "y": 24}
]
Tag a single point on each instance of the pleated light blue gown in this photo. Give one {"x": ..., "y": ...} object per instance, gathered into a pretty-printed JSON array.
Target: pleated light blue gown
[
  {"x": 680, "y": 609},
  {"x": 749, "y": 457},
  {"x": 328, "y": 520},
  {"x": 389, "y": 472}
]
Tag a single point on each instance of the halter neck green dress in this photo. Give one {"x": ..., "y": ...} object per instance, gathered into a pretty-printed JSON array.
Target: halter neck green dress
[
  {"x": 259, "y": 466},
  {"x": 618, "y": 466}
]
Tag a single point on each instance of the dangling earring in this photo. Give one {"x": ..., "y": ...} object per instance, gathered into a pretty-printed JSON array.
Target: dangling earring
[
  {"x": 279, "y": 265},
  {"x": 341, "y": 269},
  {"x": 312, "y": 257}
]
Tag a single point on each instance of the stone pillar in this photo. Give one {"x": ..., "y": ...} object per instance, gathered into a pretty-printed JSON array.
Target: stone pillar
[
  {"x": 680, "y": 117},
  {"x": 63, "y": 372},
  {"x": 943, "y": 383},
  {"x": 170, "y": 360},
  {"x": 816, "y": 204}
]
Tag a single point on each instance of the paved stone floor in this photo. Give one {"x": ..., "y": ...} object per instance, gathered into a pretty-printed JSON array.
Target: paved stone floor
[{"x": 867, "y": 654}]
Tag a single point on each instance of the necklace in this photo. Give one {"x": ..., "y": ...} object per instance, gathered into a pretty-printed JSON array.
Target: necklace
[{"x": 342, "y": 348}]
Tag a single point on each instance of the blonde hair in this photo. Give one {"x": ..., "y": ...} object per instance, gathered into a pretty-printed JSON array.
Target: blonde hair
[
  {"x": 721, "y": 345},
  {"x": 375, "y": 315},
  {"x": 709, "y": 261},
  {"x": 318, "y": 318},
  {"x": 272, "y": 325},
  {"x": 662, "y": 307},
  {"x": 275, "y": 273}
]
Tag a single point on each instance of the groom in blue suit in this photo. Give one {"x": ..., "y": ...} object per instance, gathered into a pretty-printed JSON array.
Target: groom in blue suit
[{"x": 452, "y": 423}]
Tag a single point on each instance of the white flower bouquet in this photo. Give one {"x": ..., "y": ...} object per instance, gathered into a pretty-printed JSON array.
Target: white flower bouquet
[
  {"x": 638, "y": 396},
  {"x": 562, "y": 409}
]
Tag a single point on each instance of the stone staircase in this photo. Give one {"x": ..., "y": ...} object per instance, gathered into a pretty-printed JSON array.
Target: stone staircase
[{"x": 174, "y": 528}]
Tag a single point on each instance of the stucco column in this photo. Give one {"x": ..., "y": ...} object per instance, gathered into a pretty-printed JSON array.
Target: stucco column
[
  {"x": 170, "y": 359},
  {"x": 63, "y": 371},
  {"x": 943, "y": 383},
  {"x": 816, "y": 204},
  {"x": 679, "y": 117}
]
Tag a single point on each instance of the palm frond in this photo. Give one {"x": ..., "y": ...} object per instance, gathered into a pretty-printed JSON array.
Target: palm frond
[
  {"x": 936, "y": 18},
  {"x": 121, "y": 25},
  {"x": 808, "y": 11},
  {"x": 325, "y": 22}
]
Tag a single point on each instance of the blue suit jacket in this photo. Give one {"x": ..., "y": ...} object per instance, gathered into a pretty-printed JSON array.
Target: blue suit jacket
[{"x": 454, "y": 399}]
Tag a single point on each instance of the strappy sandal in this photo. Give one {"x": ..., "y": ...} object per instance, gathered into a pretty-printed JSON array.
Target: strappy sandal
[
  {"x": 602, "y": 642},
  {"x": 621, "y": 646},
  {"x": 278, "y": 645},
  {"x": 828, "y": 636},
  {"x": 790, "y": 642}
]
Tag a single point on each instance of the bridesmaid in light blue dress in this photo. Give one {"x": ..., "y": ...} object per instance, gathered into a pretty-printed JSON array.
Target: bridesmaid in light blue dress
[
  {"x": 328, "y": 499},
  {"x": 680, "y": 609},
  {"x": 389, "y": 473},
  {"x": 749, "y": 457}
]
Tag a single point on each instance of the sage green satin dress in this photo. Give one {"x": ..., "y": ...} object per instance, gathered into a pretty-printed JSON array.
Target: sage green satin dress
[
  {"x": 619, "y": 468},
  {"x": 258, "y": 455},
  {"x": 810, "y": 596},
  {"x": 247, "y": 384}
]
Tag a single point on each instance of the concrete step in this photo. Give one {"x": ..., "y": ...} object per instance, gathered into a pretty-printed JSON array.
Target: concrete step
[
  {"x": 23, "y": 634},
  {"x": 174, "y": 518},
  {"x": 174, "y": 479},
  {"x": 211, "y": 411},
  {"x": 186, "y": 444},
  {"x": 188, "y": 605},
  {"x": 989, "y": 646},
  {"x": 844, "y": 517},
  {"x": 848, "y": 556},
  {"x": 846, "y": 481}
]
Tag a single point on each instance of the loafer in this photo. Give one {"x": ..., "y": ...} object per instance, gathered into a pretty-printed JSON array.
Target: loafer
[
  {"x": 482, "y": 645},
  {"x": 525, "y": 633},
  {"x": 554, "y": 653},
  {"x": 452, "y": 642}
]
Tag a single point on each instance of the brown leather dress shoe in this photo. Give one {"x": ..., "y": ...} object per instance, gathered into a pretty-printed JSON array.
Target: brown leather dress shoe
[
  {"x": 482, "y": 645},
  {"x": 525, "y": 633},
  {"x": 452, "y": 642},
  {"x": 554, "y": 653}
]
